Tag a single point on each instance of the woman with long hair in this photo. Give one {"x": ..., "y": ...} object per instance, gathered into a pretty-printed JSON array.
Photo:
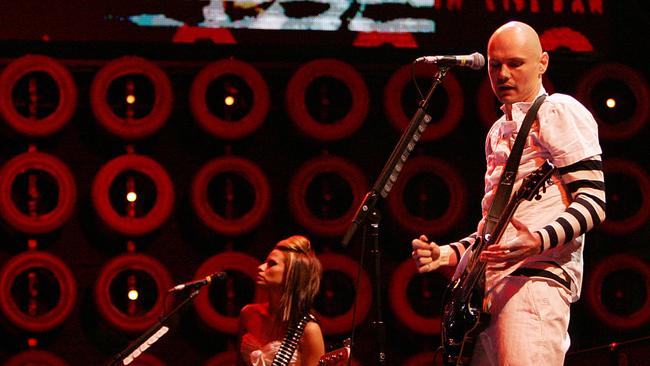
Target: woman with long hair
[{"x": 290, "y": 275}]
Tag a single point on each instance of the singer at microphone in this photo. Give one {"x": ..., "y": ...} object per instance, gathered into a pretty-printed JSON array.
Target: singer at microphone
[
  {"x": 475, "y": 61},
  {"x": 198, "y": 283}
]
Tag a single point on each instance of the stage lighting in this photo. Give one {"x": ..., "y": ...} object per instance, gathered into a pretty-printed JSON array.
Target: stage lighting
[
  {"x": 230, "y": 195},
  {"x": 401, "y": 100},
  {"x": 133, "y": 294},
  {"x": 229, "y": 99},
  {"x": 38, "y": 291},
  {"x": 327, "y": 99},
  {"x": 219, "y": 304},
  {"x": 324, "y": 194},
  {"x": 131, "y": 197},
  {"x": 336, "y": 302},
  {"x": 628, "y": 196},
  {"x": 133, "y": 194},
  {"x": 38, "y": 95},
  {"x": 37, "y": 192},
  {"x": 416, "y": 201},
  {"x": 618, "y": 291},
  {"x": 129, "y": 292},
  {"x": 414, "y": 298},
  {"x": 131, "y": 97},
  {"x": 619, "y": 98}
]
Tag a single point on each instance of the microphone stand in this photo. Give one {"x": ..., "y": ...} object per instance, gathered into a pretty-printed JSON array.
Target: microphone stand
[
  {"x": 367, "y": 213},
  {"x": 150, "y": 336}
]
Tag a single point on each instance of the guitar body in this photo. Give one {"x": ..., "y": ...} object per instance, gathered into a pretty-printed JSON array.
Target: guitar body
[
  {"x": 462, "y": 322},
  {"x": 338, "y": 357},
  {"x": 463, "y": 318}
]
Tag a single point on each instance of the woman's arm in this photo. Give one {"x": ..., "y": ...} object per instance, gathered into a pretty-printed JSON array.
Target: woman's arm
[
  {"x": 244, "y": 315},
  {"x": 312, "y": 345}
]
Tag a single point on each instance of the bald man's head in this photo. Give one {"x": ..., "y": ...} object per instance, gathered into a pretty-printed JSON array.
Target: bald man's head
[
  {"x": 520, "y": 34},
  {"x": 516, "y": 62}
]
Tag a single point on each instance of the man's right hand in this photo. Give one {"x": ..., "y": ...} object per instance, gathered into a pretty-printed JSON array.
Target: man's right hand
[{"x": 425, "y": 254}]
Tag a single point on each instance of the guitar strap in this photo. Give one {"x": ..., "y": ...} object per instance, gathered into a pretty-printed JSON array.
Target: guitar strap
[
  {"x": 509, "y": 175},
  {"x": 291, "y": 341}
]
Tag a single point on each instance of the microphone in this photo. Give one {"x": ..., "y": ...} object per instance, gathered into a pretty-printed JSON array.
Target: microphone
[
  {"x": 474, "y": 61},
  {"x": 199, "y": 283}
]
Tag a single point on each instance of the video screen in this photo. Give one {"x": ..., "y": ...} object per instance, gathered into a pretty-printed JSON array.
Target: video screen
[{"x": 443, "y": 24}]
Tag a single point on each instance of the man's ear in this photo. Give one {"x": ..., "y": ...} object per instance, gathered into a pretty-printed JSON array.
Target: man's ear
[{"x": 543, "y": 63}]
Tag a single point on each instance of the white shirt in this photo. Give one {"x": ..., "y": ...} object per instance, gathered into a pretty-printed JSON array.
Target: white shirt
[{"x": 564, "y": 133}]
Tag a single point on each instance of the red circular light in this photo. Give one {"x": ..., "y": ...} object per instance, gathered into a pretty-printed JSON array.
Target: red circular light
[
  {"x": 393, "y": 96},
  {"x": 295, "y": 99},
  {"x": 349, "y": 173},
  {"x": 117, "y": 266},
  {"x": 339, "y": 324},
  {"x": 217, "y": 126},
  {"x": 124, "y": 126},
  {"x": 227, "y": 261},
  {"x": 639, "y": 91},
  {"x": 26, "y": 125},
  {"x": 35, "y": 357},
  {"x": 126, "y": 225},
  {"x": 607, "y": 268},
  {"x": 243, "y": 168},
  {"x": 67, "y": 193},
  {"x": 399, "y": 299},
  {"x": 451, "y": 213},
  {"x": 67, "y": 291}
]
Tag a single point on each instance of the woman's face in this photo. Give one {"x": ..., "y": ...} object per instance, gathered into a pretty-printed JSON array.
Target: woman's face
[{"x": 271, "y": 273}]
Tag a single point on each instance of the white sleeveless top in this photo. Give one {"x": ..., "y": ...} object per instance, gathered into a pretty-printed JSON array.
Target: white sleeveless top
[{"x": 256, "y": 354}]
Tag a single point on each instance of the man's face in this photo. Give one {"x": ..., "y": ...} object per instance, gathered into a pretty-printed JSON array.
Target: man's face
[{"x": 515, "y": 67}]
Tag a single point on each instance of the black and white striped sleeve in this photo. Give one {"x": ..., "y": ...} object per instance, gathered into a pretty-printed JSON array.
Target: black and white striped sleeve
[
  {"x": 586, "y": 184},
  {"x": 460, "y": 246}
]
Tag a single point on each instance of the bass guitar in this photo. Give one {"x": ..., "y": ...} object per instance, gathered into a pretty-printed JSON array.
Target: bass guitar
[{"x": 463, "y": 317}]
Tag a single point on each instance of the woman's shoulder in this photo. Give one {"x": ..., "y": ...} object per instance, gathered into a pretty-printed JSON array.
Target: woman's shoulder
[{"x": 313, "y": 329}]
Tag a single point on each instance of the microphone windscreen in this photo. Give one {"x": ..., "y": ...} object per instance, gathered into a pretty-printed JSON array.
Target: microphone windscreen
[{"x": 478, "y": 61}]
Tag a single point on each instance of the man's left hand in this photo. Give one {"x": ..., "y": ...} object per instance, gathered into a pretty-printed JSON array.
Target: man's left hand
[{"x": 525, "y": 244}]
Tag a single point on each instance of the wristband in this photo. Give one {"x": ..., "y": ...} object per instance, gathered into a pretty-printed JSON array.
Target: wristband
[{"x": 445, "y": 255}]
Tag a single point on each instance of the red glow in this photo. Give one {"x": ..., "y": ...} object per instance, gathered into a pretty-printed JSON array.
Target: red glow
[
  {"x": 187, "y": 34},
  {"x": 376, "y": 39},
  {"x": 565, "y": 37}
]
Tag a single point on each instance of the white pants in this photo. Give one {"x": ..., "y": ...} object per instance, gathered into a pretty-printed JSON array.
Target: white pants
[{"x": 529, "y": 324}]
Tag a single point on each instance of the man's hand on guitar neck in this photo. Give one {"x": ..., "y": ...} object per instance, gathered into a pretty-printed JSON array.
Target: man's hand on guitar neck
[
  {"x": 524, "y": 245},
  {"x": 429, "y": 256}
]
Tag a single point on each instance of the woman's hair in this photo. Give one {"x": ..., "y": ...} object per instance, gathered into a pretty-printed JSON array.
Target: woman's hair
[{"x": 301, "y": 278}]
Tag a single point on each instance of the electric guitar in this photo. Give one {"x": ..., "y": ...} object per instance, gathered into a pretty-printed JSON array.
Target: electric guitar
[
  {"x": 463, "y": 317},
  {"x": 338, "y": 357}
]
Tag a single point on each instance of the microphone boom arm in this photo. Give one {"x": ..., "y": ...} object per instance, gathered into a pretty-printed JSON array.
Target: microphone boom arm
[
  {"x": 150, "y": 336},
  {"x": 388, "y": 176}
]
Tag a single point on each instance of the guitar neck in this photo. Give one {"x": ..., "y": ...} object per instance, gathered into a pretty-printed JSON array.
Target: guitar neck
[{"x": 476, "y": 267}]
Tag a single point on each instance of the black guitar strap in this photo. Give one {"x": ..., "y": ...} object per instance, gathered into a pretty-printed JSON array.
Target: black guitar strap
[
  {"x": 291, "y": 341},
  {"x": 510, "y": 173}
]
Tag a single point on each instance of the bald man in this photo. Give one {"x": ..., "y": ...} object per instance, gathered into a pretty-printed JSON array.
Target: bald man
[{"x": 534, "y": 272}]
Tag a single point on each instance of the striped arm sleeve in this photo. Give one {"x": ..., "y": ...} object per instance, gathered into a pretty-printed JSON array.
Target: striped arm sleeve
[
  {"x": 460, "y": 246},
  {"x": 586, "y": 184}
]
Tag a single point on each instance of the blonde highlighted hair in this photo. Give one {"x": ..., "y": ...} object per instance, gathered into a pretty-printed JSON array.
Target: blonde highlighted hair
[{"x": 301, "y": 278}]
